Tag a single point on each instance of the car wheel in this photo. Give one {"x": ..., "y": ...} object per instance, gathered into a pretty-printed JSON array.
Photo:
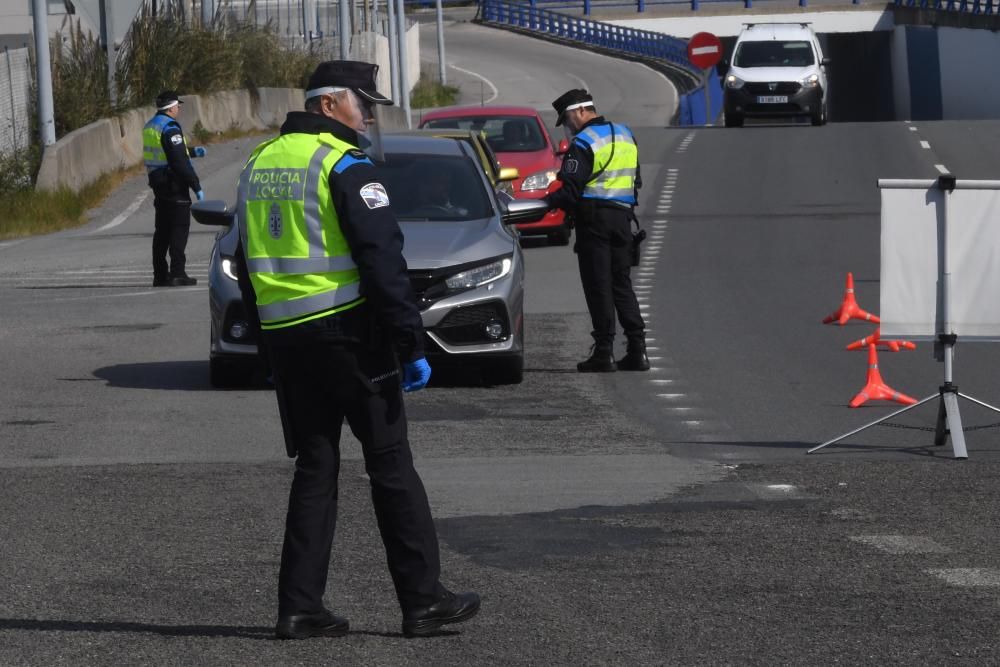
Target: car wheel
[
  {"x": 227, "y": 374},
  {"x": 734, "y": 120},
  {"x": 508, "y": 371},
  {"x": 562, "y": 236}
]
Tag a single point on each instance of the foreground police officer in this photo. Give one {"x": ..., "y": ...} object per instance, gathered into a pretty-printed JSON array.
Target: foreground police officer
[
  {"x": 172, "y": 178},
  {"x": 600, "y": 181},
  {"x": 323, "y": 252}
]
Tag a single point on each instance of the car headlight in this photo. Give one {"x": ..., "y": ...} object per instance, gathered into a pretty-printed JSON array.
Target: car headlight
[
  {"x": 811, "y": 81},
  {"x": 539, "y": 180},
  {"x": 479, "y": 276},
  {"x": 229, "y": 267},
  {"x": 733, "y": 81}
]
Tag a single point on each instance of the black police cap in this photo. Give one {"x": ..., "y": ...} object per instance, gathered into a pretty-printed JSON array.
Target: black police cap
[
  {"x": 167, "y": 99},
  {"x": 573, "y": 99},
  {"x": 353, "y": 74}
]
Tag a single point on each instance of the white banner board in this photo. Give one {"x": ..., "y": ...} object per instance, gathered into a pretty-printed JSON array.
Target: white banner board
[{"x": 913, "y": 261}]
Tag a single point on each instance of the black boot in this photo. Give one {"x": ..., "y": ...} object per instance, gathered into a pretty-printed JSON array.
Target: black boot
[
  {"x": 635, "y": 358},
  {"x": 601, "y": 360}
]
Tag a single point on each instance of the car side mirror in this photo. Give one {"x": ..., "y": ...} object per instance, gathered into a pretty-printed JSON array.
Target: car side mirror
[
  {"x": 524, "y": 210},
  {"x": 508, "y": 174},
  {"x": 825, "y": 62},
  {"x": 563, "y": 147},
  {"x": 213, "y": 212}
]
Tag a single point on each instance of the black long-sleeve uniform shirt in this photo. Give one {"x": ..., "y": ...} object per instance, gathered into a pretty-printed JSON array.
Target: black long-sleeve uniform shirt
[
  {"x": 376, "y": 244},
  {"x": 576, "y": 170},
  {"x": 177, "y": 180}
]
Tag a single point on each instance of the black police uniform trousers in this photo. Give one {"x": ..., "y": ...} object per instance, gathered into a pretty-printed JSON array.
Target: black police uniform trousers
[
  {"x": 170, "y": 234},
  {"x": 603, "y": 247},
  {"x": 321, "y": 384}
]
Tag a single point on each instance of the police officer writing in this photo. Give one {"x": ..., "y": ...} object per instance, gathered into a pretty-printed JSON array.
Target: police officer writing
[
  {"x": 600, "y": 181},
  {"x": 172, "y": 178},
  {"x": 323, "y": 253}
]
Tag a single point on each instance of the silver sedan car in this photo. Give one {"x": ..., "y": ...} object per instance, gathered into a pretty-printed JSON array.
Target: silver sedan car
[{"x": 461, "y": 247}]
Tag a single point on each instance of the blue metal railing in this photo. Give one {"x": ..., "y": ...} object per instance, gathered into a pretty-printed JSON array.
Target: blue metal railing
[
  {"x": 640, "y": 6},
  {"x": 594, "y": 33},
  {"x": 978, "y": 7},
  {"x": 621, "y": 39}
]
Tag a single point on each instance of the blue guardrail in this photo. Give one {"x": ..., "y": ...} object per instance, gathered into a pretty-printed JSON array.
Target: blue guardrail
[{"x": 628, "y": 41}]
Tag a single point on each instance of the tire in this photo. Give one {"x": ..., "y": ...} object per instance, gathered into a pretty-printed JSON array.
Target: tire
[
  {"x": 562, "y": 236},
  {"x": 508, "y": 371},
  {"x": 733, "y": 120},
  {"x": 228, "y": 374}
]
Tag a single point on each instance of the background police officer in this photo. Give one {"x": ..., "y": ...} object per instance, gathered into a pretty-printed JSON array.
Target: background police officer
[
  {"x": 172, "y": 178},
  {"x": 323, "y": 253},
  {"x": 600, "y": 181}
]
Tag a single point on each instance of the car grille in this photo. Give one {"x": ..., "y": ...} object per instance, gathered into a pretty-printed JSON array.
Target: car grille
[
  {"x": 465, "y": 326},
  {"x": 780, "y": 88}
]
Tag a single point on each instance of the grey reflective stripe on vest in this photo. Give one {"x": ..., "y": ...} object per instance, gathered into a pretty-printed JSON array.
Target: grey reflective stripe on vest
[
  {"x": 300, "y": 265},
  {"x": 314, "y": 225},
  {"x": 618, "y": 173},
  {"x": 286, "y": 310},
  {"x": 596, "y": 142}
]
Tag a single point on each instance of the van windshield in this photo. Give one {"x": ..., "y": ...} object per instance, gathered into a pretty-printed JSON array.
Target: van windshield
[{"x": 774, "y": 54}]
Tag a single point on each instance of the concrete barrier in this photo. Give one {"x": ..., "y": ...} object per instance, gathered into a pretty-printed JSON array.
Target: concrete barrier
[{"x": 84, "y": 155}]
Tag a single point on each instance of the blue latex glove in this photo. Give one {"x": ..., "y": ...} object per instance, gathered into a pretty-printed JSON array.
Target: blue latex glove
[
  {"x": 416, "y": 374},
  {"x": 200, "y": 194},
  {"x": 199, "y": 151}
]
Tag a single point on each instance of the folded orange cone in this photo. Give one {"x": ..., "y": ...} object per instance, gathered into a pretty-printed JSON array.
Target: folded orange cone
[
  {"x": 875, "y": 388},
  {"x": 849, "y": 308},
  {"x": 876, "y": 339}
]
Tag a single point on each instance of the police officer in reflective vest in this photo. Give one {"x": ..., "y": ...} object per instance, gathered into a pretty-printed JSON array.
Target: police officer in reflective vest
[
  {"x": 323, "y": 253},
  {"x": 172, "y": 178},
  {"x": 600, "y": 181}
]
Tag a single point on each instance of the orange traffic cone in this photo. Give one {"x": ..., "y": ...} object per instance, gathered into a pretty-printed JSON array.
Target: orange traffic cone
[
  {"x": 849, "y": 308},
  {"x": 875, "y": 388},
  {"x": 876, "y": 339}
]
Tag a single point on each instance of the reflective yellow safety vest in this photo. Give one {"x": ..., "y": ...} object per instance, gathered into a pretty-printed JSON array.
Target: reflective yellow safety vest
[
  {"x": 298, "y": 259},
  {"x": 153, "y": 154},
  {"x": 616, "y": 161}
]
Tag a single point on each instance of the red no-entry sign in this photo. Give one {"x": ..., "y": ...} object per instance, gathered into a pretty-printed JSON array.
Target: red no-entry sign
[{"x": 704, "y": 50}]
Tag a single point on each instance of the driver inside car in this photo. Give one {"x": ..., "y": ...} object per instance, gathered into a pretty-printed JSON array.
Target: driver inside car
[{"x": 436, "y": 192}]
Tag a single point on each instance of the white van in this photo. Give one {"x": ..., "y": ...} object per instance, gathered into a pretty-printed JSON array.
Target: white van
[{"x": 777, "y": 70}]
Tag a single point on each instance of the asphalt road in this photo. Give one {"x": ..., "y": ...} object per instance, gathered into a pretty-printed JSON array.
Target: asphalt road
[{"x": 661, "y": 518}]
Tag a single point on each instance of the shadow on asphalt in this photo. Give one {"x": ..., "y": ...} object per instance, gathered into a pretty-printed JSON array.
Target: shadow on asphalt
[
  {"x": 246, "y": 632},
  {"x": 168, "y": 375}
]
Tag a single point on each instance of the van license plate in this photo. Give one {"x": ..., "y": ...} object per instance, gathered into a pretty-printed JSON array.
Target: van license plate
[{"x": 773, "y": 99}]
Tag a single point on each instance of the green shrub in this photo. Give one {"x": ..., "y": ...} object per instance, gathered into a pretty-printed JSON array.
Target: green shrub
[{"x": 430, "y": 93}]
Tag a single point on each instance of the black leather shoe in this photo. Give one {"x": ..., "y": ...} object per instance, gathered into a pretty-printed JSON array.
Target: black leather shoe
[
  {"x": 601, "y": 360},
  {"x": 635, "y": 358},
  {"x": 455, "y": 608},
  {"x": 183, "y": 281},
  {"x": 304, "y": 626}
]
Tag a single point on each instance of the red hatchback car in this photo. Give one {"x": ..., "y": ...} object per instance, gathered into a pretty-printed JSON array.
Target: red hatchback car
[{"x": 520, "y": 139}]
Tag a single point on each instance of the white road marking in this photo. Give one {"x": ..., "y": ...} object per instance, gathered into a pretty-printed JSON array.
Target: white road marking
[
  {"x": 124, "y": 215},
  {"x": 8, "y": 244},
  {"x": 912, "y": 129},
  {"x": 940, "y": 167},
  {"x": 781, "y": 487},
  {"x": 969, "y": 576},
  {"x": 482, "y": 78},
  {"x": 925, "y": 144},
  {"x": 672, "y": 397},
  {"x": 902, "y": 544},
  {"x": 661, "y": 381}
]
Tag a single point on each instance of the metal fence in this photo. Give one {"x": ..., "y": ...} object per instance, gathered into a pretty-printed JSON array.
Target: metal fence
[
  {"x": 595, "y": 33},
  {"x": 307, "y": 19},
  {"x": 978, "y": 7},
  {"x": 640, "y": 6},
  {"x": 15, "y": 100}
]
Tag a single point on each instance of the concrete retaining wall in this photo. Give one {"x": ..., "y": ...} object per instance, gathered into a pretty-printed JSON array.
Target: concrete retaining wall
[{"x": 84, "y": 155}]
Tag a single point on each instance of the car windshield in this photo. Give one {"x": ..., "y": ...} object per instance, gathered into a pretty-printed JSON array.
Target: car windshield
[
  {"x": 504, "y": 134},
  {"x": 434, "y": 187},
  {"x": 774, "y": 54}
]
